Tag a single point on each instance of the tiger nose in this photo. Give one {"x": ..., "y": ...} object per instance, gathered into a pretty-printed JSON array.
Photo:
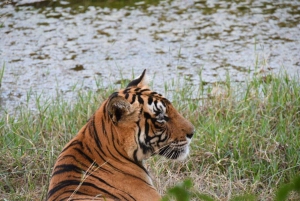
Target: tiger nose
[
  {"x": 189, "y": 130},
  {"x": 190, "y": 135}
]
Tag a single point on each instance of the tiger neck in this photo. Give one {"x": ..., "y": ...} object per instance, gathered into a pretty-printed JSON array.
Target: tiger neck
[{"x": 107, "y": 155}]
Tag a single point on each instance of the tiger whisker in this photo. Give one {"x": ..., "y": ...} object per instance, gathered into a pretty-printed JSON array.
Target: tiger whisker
[
  {"x": 158, "y": 150},
  {"x": 167, "y": 154}
]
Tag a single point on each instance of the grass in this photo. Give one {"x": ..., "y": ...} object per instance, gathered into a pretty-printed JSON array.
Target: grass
[
  {"x": 1, "y": 74},
  {"x": 246, "y": 141}
]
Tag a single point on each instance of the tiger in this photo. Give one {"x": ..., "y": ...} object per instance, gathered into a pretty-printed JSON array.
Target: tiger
[{"x": 104, "y": 161}]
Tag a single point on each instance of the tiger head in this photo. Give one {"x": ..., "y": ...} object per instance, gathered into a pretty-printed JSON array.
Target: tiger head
[{"x": 146, "y": 123}]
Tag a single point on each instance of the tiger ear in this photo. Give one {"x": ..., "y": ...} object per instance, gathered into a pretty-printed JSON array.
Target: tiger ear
[
  {"x": 118, "y": 107},
  {"x": 140, "y": 82}
]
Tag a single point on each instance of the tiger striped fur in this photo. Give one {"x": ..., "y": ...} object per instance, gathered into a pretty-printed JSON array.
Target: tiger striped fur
[{"x": 104, "y": 161}]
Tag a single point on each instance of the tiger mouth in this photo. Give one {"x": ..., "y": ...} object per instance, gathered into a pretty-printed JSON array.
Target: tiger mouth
[{"x": 175, "y": 151}]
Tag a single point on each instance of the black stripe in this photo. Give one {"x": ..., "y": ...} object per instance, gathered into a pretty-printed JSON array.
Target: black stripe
[
  {"x": 133, "y": 98},
  {"x": 104, "y": 110},
  {"x": 163, "y": 103},
  {"x": 150, "y": 100},
  {"x": 126, "y": 90},
  {"x": 155, "y": 103},
  {"x": 134, "y": 162},
  {"x": 107, "y": 184},
  {"x": 135, "y": 156},
  {"x": 94, "y": 133},
  {"x": 143, "y": 90},
  {"x": 84, "y": 155},
  {"x": 61, "y": 185},
  {"x": 117, "y": 159},
  {"x": 124, "y": 198},
  {"x": 88, "y": 148},
  {"x": 103, "y": 128},
  {"x": 135, "y": 152},
  {"x": 100, "y": 154},
  {"x": 75, "y": 142},
  {"x": 147, "y": 115},
  {"x": 141, "y": 101},
  {"x": 61, "y": 159},
  {"x": 113, "y": 141},
  {"x": 105, "y": 162},
  {"x": 76, "y": 183},
  {"x": 146, "y": 127},
  {"x": 87, "y": 197},
  {"x": 126, "y": 96},
  {"x": 60, "y": 169}
]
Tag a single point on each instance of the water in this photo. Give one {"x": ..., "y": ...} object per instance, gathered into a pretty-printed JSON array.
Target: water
[{"x": 49, "y": 46}]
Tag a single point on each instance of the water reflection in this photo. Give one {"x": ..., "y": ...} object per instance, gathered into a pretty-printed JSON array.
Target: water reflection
[{"x": 42, "y": 41}]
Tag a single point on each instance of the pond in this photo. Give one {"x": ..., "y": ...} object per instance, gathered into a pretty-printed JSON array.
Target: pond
[{"x": 50, "y": 45}]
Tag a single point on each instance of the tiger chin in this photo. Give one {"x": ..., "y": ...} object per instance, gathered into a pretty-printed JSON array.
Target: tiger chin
[{"x": 104, "y": 161}]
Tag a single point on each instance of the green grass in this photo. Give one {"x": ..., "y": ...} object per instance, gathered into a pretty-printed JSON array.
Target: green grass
[
  {"x": 1, "y": 74},
  {"x": 246, "y": 142}
]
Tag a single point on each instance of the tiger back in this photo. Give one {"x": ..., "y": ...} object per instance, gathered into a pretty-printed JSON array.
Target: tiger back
[{"x": 104, "y": 161}]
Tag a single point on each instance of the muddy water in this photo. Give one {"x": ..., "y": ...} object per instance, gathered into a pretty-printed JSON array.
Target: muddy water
[{"x": 49, "y": 46}]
